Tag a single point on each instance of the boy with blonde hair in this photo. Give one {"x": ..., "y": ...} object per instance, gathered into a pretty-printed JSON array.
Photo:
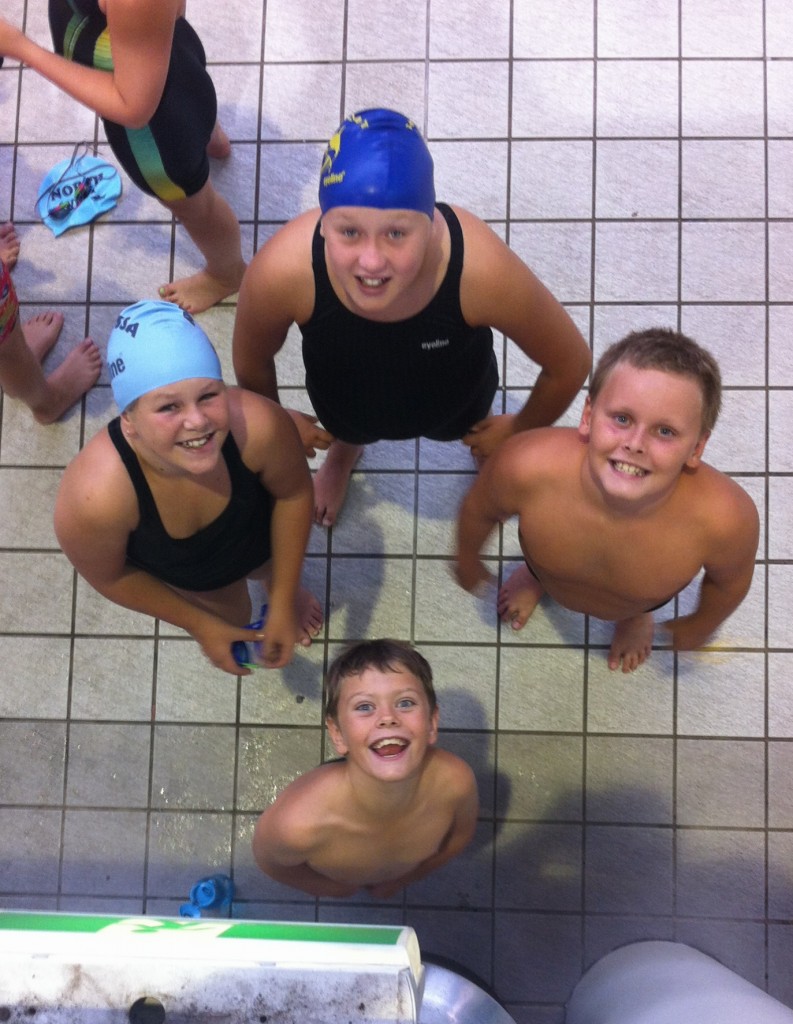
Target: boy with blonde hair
[{"x": 617, "y": 517}]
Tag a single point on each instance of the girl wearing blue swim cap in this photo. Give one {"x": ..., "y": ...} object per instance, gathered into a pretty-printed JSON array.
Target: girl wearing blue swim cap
[
  {"x": 397, "y": 298},
  {"x": 194, "y": 489}
]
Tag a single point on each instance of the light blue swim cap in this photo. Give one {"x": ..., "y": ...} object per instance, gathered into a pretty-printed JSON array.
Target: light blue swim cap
[
  {"x": 377, "y": 158},
  {"x": 153, "y": 344}
]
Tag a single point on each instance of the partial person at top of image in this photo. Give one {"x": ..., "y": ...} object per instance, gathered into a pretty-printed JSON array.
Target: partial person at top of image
[
  {"x": 141, "y": 67},
  {"x": 617, "y": 517},
  {"x": 25, "y": 345},
  {"x": 195, "y": 488},
  {"x": 393, "y": 807},
  {"x": 397, "y": 298}
]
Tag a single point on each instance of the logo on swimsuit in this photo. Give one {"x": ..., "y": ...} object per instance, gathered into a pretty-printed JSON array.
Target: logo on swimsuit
[
  {"x": 438, "y": 343},
  {"x": 116, "y": 367}
]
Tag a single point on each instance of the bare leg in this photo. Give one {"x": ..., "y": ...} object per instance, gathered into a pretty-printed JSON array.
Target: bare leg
[
  {"x": 307, "y": 607},
  {"x": 219, "y": 147},
  {"x": 332, "y": 479},
  {"x": 632, "y": 643},
  {"x": 231, "y": 603},
  {"x": 9, "y": 245},
  {"x": 212, "y": 225},
  {"x": 518, "y": 597},
  {"x": 21, "y": 375}
]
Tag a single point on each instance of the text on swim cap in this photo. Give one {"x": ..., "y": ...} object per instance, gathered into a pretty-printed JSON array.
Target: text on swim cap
[
  {"x": 123, "y": 324},
  {"x": 334, "y": 179},
  {"x": 116, "y": 367}
]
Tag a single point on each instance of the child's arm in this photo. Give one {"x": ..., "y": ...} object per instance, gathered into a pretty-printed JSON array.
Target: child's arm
[
  {"x": 461, "y": 780},
  {"x": 491, "y": 500},
  {"x": 277, "y": 291},
  {"x": 728, "y": 572},
  {"x": 141, "y": 32},
  {"x": 272, "y": 445},
  {"x": 92, "y": 524},
  {"x": 498, "y": 290}
]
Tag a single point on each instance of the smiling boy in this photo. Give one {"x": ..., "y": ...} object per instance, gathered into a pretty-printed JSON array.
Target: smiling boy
[
  {"x": 394, "y": 807},
  {"x": 617, "y": 517},
  {"x": 396, "y": 298}
]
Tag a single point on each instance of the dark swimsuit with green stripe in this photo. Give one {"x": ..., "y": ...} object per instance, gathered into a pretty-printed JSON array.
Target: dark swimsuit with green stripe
[{"x": 167, "y": 158}]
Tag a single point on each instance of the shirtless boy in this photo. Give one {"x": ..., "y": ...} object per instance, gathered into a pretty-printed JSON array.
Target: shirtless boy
[
  {"x": 141, "y": 67},
  {"x": 394, "y": 807},
  {"x": 617, "y": 517},
  {"x": 397, "y": 299}
]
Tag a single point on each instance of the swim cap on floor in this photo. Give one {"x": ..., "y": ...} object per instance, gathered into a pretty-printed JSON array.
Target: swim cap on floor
[
  {"x": 377, "y": 158},
  {"x": 154, "y": 344}
]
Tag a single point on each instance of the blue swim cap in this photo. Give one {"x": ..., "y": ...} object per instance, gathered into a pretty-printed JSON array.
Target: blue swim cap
[
  {"x": 377, "y": 158},
  {"x": 153, "y": 344}
]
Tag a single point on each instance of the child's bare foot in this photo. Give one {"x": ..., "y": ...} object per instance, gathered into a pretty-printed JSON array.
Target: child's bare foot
[
  {"x": 77, "y": 373},
  {"x": 202, "y": 290},
  {"x": 332, "y": 479},
  {"x": 9, "y": 245},
  {"x": 41, "y": 332},
  {"x": 219, "y": 147},
  {"x": 518, "y": 597},
  {"x": 632, "y": 643},
  {"x": 309, "y": 614}
]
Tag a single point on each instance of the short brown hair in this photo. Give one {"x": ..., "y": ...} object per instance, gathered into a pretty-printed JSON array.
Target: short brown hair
[
  {"x": 661, "y": 348},
  {"x": 383, "y": 655}
]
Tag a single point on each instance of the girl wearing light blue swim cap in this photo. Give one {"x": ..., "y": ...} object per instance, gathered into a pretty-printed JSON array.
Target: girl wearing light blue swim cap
[
  {"x": 194, "y": 489},
  {"x": 397, "y": 297}
]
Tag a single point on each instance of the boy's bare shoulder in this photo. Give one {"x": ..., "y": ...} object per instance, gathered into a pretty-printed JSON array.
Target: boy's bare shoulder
[
  {"x": 720, "y": 500},
  {"x": 301, "y": 814},
  {"x": 451, "y": 774},
  {"x": 533, "y": 454}
]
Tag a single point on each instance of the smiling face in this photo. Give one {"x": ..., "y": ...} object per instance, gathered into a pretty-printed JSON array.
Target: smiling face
[
  {"x": 180, "y": 427},
  {"x": 644, "y": 428},
  {"x": 383, "y": 723},
  {"x": 374, "y": 256}
]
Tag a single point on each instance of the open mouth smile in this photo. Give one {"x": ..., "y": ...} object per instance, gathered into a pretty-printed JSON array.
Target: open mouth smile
[{"x": 389, "y": 746}]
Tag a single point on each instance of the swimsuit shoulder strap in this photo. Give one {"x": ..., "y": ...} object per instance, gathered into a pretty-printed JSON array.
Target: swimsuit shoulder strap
[{"x": 146, "y": 502}]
